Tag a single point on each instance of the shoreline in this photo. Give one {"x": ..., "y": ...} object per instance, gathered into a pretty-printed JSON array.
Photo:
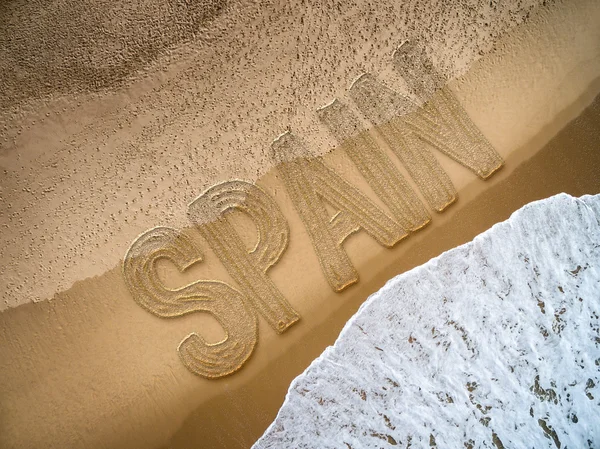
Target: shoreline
[
  {"x": 88, "y": 367},
  {"x": 508, "y": 189}
]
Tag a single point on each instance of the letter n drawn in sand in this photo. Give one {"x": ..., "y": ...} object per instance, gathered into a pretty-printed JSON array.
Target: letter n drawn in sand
[
  {"x": 227, "y": 305},
  {"x": 457, "y": 136},
  {"x": 389, "y": 112},
  {"x": 249, "y": 269},
  {"x": 309, "y": 183}
]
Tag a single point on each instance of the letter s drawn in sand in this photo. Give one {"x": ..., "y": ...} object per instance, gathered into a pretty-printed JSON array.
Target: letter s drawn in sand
[{"x": 227, "y": 305}]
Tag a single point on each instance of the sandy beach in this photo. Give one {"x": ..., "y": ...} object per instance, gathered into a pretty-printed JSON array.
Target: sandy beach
[{"x": 85, "y": 366}]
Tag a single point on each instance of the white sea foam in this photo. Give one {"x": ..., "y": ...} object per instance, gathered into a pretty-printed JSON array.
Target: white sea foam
[{"x": 495, "y": 343}]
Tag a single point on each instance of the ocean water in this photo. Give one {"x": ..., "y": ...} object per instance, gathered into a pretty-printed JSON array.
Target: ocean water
[{"x": 493, "y": 344}]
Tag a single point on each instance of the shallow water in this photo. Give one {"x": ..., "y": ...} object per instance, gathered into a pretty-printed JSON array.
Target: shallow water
[{"x": 496, "y": 342}]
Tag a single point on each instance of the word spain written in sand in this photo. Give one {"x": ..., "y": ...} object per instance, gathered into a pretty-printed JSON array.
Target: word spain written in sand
[{"x": 410, "y": 129}]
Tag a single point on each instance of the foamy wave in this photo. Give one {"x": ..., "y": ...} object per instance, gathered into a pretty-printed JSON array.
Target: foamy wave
[{"x": 495, "y": 343}]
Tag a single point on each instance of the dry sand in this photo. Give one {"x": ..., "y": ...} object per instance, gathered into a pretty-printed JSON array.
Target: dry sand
[{"x": 90, "y": 368}]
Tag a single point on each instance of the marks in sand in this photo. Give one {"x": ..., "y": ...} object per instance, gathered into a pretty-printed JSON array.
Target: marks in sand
[{"x": 409, "y": 130}]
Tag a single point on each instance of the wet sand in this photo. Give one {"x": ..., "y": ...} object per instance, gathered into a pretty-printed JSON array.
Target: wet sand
[
  {"x": 569, "y": 163},
  {"x": 90, "y": 368}
]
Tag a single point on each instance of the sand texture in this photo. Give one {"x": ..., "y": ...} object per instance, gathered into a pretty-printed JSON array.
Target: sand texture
[
  {"x": 164, "y": 275},
  {"x": 92, "y": 170}
]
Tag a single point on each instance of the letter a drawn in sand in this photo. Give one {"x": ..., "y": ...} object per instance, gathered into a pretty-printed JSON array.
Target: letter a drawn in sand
[
  {"x": 249, "y": 269},
  {"x": 309, "y": 182},
  {"x": 227, "y": 305}
]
